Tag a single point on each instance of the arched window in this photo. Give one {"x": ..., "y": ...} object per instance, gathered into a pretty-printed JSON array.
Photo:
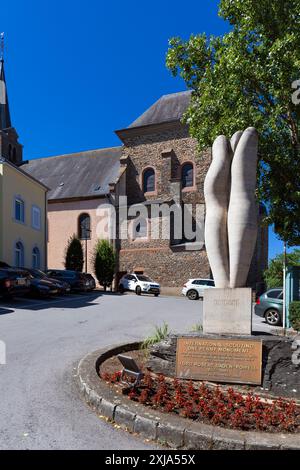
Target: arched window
[
  {"x": 187, "y": 175},
  {"x": 149, "y": 180},
  {"x": 19, "y": 255},
  {"x": 140, "y": 228},
  {"x": 84, "y": 227},
  {"x": 36, "y": 258}
]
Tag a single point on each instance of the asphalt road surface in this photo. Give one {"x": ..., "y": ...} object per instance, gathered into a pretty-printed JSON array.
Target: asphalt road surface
[{"x": 40, "y": 407}]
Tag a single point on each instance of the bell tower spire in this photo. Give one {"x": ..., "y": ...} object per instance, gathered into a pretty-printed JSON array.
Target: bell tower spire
[
  {"x": 10, "y": 148},
  {"x": 5, "y": 121}
]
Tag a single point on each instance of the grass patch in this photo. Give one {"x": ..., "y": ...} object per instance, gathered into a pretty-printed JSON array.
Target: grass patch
[
  {"x": 160, "y": 333},
  {"x": 197, "y": 328}
]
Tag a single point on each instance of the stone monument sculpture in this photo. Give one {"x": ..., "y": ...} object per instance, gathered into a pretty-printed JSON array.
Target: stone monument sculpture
[
  {"x": 231, "y": 210},
  {"x": 231, "y": 228},
  {"x": 226, "y": 351}
]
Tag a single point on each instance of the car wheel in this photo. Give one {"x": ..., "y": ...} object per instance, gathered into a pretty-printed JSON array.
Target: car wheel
[
  {"x": 192, "y": 295},
  {"x": 272, "y": 317},
  {"x": 121, "y": 289},
  {"x": 138, "y": 290},
  {"x": 156, "y": 295}
]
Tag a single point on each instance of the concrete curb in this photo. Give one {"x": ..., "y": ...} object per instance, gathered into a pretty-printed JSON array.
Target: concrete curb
[{"x": 176, "y": 432}]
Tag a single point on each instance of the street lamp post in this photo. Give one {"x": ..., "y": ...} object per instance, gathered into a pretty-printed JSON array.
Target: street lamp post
[
  {"x": 87, "y": 237},
  {"x": 284, "y": 288}
]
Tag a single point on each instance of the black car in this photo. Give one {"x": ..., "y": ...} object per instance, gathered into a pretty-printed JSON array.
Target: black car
[
  {"x": 41, "y": 287},
  {"x": 91, "y": 281},
  {"x": 77, "y": 280},
  {"x": 61, "y": 286},
  {"x": 13, "y": 282},
  {"x": 4, "y": 265}
]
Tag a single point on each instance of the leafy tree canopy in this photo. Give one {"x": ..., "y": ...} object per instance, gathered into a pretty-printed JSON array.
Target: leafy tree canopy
[
  {"x": 274, "y": 274},
  {"x": 104, "y": 263},
  {"x": 74, "y": 254},
  {"x": 243, "y": 79}
]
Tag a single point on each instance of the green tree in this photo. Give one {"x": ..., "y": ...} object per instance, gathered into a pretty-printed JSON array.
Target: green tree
[
  {"x": 245, "y": 78},
  {"x": 104, "y": 263},
  {"x": 74, "y": 254},
  {"x": 274, "y": 274}
]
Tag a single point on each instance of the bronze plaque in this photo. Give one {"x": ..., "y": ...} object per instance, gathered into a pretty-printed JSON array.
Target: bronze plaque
[{"x": 219, "y": 360}]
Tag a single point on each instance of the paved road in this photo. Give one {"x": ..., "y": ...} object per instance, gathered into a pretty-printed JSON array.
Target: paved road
[{"x": 40, "y": 407}]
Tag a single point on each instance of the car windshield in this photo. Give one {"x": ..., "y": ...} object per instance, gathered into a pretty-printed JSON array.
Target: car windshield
[
  {"x": 144, "y": 278},
  {"x": 38, "y": 273}
]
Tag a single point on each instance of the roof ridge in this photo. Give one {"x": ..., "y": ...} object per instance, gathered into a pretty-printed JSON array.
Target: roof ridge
[
  {"x": 176, "y": 93},
  {"x": 169, "y": 107},
  {"x": 75, "y": 153}
]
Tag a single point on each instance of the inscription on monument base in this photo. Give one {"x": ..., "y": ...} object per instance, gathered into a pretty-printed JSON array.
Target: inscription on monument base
[
  {"x": 219, "y": 360},
  {"x": 227, "y": 311}
]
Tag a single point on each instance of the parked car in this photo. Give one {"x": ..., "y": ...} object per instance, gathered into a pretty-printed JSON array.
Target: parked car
[
  {"x": 75, "y": 279},
  {"x": 270, "y": 306},
  {"x": 91, "y": 281},
  {"x": 13, "y": 282},
  {"x": 61, "y": 286},
  {"x": 42, "y": 287},
  {"x": 194, "y": 288},
  {"x": 140, "y": 284},
  {"x": 4, "y": 265}
]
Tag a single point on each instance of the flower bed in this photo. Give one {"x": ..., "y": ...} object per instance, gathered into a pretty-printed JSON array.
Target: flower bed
[{"x": 198, "y": 402}]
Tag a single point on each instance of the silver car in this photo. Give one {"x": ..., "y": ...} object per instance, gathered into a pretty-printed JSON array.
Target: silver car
[{"x": 270, "y": 306}]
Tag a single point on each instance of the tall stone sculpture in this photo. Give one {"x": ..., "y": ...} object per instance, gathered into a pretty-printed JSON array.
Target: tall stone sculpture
[
  {"x": 230, "y": 233},
  {"x": 231, "y": 209}
]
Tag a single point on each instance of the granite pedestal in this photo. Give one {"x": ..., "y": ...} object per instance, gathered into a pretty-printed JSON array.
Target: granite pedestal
[{"x": 227, "y": 311}]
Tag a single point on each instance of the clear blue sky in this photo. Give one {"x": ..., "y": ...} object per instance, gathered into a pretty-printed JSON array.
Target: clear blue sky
[{"x": 77, "y": 70}]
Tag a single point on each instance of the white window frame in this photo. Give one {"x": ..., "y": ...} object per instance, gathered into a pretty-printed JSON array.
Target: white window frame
[
  {"x": 36, "y": 210},
  {"x": 19, "y": 200}
]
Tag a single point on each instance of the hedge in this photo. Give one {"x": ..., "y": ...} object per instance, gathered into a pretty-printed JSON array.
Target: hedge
[{"x": 294, "y": 314}]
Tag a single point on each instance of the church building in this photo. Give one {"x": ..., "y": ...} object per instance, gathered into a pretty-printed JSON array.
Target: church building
[
  {"x": 23, "y": 202},
  {"x": 156, "y": 169}
]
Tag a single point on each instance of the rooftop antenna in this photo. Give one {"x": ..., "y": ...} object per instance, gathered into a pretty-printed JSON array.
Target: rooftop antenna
[{"x": 2, "y": 46}]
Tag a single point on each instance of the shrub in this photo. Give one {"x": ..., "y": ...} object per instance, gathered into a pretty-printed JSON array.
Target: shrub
[
  {"x": 223, "y": 407},
  {"x": 274, "y": 274},
  {"x": 104, "y": 263},
  {"x": 74, "y": 254},
  {"x": 294, "y": 313}
]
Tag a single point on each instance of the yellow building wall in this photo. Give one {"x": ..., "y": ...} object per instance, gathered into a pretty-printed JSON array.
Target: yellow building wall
[
  {"x": 1, "y": 211},
  {"x": 14, "y": 183}
]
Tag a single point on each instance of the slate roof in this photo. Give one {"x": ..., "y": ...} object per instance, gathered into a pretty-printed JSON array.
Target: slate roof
[
  {"x": 4, "y": 161},
  {"x": 167, "y": 109},
  {"x": 84, "y": 174}
]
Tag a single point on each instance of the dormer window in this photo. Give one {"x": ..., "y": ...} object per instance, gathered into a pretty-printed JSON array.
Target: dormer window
[{"x": 149, "y": 180}]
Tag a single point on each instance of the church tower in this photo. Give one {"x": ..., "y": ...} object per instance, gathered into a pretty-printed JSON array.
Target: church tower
[{"x": 10, "y": 148}]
